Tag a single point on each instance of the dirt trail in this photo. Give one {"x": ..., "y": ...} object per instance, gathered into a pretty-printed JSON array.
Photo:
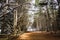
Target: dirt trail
[{"x": 37, "y": 36}]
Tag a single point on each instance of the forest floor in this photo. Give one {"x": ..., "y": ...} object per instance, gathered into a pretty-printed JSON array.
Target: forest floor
[
  {"x": 39, "y": 36},
  {"x": 36, "y": 36}
]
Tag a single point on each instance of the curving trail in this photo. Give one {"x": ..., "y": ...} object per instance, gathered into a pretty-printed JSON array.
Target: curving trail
[{"x": 37, "y": 36}]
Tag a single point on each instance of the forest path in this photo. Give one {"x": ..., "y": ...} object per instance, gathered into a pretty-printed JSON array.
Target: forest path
[{"x": 38, "y": 36}]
